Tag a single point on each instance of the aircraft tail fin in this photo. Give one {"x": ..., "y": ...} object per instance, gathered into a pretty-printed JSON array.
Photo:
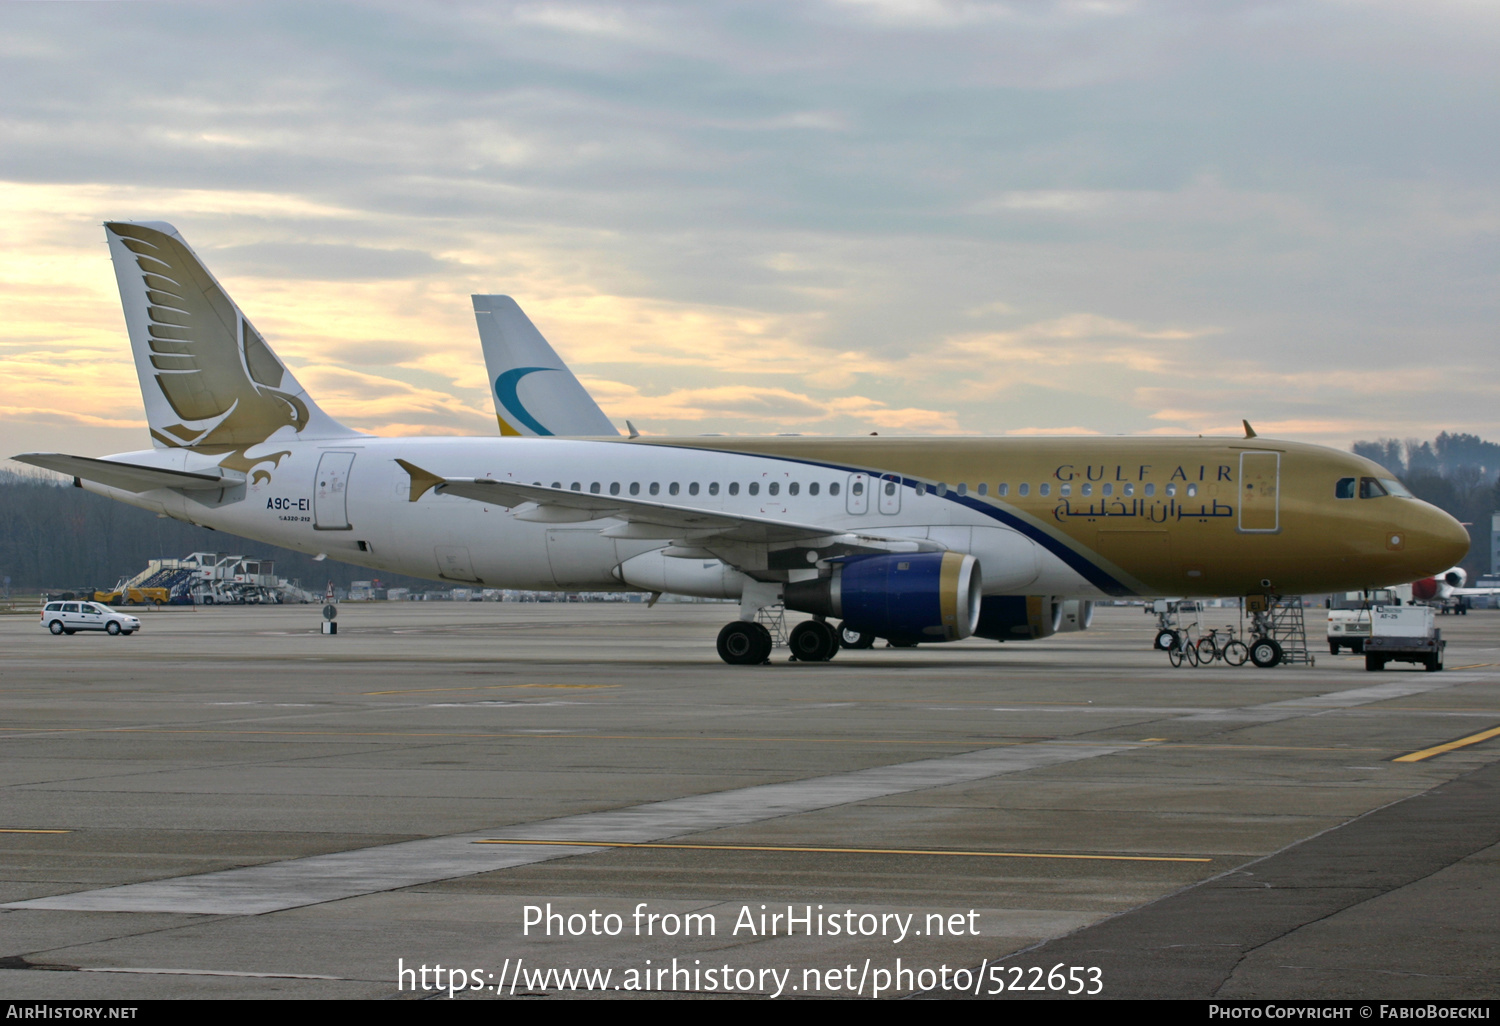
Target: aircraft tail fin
[
  {"x": 527, "y": 402},
  {"x": 207, "y": 376}
]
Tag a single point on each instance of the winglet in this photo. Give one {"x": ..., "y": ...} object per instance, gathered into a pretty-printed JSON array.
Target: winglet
[
  {"x": 422, "y": 481},
  {"x": 633, "y": 432},
  {"x": 1249, "y": 431}
]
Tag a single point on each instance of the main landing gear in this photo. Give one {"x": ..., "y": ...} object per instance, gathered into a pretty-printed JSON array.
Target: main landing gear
[
  {"x": 813, "y": 641},
  {"x": 744, "y": 643}
]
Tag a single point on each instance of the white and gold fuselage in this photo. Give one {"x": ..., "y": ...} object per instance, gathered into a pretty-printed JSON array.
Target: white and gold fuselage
[{"x": 1079, "y": 517}]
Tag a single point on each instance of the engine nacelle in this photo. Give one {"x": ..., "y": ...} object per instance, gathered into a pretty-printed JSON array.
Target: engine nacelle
[
  {"x": 1077, "y": 615},
  {"x": 917, "y": 596},
  {"x": 1021, "y": 617}
]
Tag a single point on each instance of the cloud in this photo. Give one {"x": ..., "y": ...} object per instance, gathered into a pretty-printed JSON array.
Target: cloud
[{"x": 908, "y": 215}]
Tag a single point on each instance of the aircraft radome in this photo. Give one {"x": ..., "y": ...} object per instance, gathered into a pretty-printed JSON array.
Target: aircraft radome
[{"x": 913, "y": 539}]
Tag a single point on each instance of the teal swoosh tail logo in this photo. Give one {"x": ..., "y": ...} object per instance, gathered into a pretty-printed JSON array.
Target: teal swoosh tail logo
[{"x": 505, "y": 391}]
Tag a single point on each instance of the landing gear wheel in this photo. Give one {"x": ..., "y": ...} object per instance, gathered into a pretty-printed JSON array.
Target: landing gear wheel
[
  {"x": 744, "y": 644},
  {"x": 1236, "y": 652},
  {"x": 1165, "y": 640},
  {"x": 55, "y": 627},
  {"x": 813, "y": 641},
  {"x": 1265, "y": 653},
  {"x": 851, "y": 638},
  {"x": 113, "y": 627}
]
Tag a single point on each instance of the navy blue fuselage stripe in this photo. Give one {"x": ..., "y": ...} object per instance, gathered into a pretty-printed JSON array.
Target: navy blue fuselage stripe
[{"x": 1075, "y": 561}]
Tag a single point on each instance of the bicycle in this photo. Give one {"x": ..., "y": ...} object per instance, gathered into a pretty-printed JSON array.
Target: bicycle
[
  {"x": 1185, "y": 650},
  {"x": 1232, "y": 651}
]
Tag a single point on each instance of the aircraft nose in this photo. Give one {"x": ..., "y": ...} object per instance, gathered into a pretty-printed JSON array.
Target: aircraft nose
[{"x": 1434, "y": 538}]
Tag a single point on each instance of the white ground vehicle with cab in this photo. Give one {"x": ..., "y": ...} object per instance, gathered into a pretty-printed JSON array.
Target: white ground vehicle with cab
[{"x": 70, "y": 617}]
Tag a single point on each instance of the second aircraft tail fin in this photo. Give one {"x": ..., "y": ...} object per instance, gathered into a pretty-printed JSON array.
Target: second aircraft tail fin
[{"x": 534, "y": 392}]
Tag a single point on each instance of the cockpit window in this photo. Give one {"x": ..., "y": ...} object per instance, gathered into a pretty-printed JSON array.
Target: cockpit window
[
  {"x": 1395, "y": 487},
  {"x": 1369, "y": 488},
  {"x": 1345, "y": 488}
]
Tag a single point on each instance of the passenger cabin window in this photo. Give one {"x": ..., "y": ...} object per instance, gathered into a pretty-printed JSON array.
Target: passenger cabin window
[
  {"x": 1129, "y": 488},
  {"x": 1344, "y": 489},
  {"x": 1192, "y": 490},
  {"x": 942, "y": 489},
  {"x": 673, "y": 488},
  {"x": 774, "y": 488},
  {"x": 1172, "y": 488},
  {"x": 655, "y": 488},
  {"x": 1003, "y": 490},
  {"x": 754, "y": 487},
  {"x": 734, "y": 488},
  {"x": 1369, "y": 488},
  {"x": 833, "y": 489},
  {"x": 1087, "y": 489},
  {"x": 1045, "y": 489},
  {"x": 635, "y": 488},
  {"x": 793, "y": 488},
  {"x": 693, "y": 488},
  {"x": 858, "y": 487},
  {"x": 1150, "y": 489},
  {"x": 920, "y": 488},
  {"x": 1109, "y": 489},
  {"x": 713, "y": 488},
  {"x": 890, "y": 488},
  {"x": 1025, "y": 489},
  {"x": 594, "y": 488},
  {"x": 1066, "y": 489},
  {"x": 614, "y": 488},
  {"x": 984, "y": 489},
  {"x": 812, "y": 489}
]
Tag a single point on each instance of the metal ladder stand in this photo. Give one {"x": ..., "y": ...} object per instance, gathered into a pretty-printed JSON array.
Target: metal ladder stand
[
  {"x": 1283, "y": 622},
  {"x": 773, "y": 619}
]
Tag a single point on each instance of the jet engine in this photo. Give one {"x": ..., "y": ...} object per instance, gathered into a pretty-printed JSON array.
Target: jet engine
[
  {"x": 902, "y": 597},
  {"x": 1077, "y": 615},
  {"x": 1024, "y": 617}
]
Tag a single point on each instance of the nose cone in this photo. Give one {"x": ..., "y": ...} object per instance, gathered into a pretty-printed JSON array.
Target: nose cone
[{"x": 1434, "y": 540}]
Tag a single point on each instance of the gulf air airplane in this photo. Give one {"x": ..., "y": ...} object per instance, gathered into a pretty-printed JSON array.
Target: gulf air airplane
[{"x": 908, "y": 539}]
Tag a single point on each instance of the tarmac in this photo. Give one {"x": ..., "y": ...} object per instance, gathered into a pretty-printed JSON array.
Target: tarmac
[{"x": 231, "y": 804}]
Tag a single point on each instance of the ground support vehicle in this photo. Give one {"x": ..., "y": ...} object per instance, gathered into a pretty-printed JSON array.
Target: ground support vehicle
[
  {"x": 1348, "y": 628},
  {"x": 1405, "y": 635}
]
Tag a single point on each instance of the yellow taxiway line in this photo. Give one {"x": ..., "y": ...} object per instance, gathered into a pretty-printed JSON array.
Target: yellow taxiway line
[
  {"x": 854, "y": 851},
  {"x": 1463, "y": 742}
]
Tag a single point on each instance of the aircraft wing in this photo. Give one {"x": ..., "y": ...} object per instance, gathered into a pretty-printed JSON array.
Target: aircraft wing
[
  {"x": 647, "y": 518},
  {"x": 131, "y": 477}
]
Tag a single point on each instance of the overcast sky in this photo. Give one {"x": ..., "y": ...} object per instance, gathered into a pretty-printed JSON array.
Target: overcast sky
[{"x": 831, "y": 217}]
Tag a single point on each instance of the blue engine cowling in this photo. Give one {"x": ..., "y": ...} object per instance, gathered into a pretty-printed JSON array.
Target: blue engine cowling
[
  {"x": 1021, "y": 617},
  {"x": 918, "y": 596}
]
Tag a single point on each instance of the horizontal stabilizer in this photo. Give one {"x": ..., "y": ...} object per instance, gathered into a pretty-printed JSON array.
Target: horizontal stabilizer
[{"x": 131, "y": 477}]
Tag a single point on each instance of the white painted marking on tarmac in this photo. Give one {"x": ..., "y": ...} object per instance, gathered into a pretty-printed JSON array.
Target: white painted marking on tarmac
[
  {"x": 298, "y": 882},
  {"x": 212, "y": 972},
  {"x": 1293, "y": 707}
]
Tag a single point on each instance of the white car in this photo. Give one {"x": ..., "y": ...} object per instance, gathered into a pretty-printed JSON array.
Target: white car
[{"x": 68, "y": 617}]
